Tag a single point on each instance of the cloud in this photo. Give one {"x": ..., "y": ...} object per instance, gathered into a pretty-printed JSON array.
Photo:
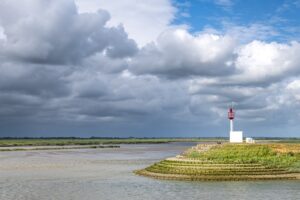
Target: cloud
[
  {"x": 125, "y": 94},
  {"x": 43, "y": 81},
  {"x": 177, "y": 53},
  {"x": 225, "y": 3},
  {"x": 53, "y": 32},
  {"x": 293, "y": 90},
  {"x": 266, "y": 62},
  {"x": 143, "y": 20},
  {"x": 248, "y": 33},
  {"x": 2, "y": 35},
  {"x": 78, "y": 72}
]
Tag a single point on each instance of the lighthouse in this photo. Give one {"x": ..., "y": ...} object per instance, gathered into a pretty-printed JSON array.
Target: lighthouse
[
  {"x": 234, "y": 136},
  {"x": 231, "y": 117}
]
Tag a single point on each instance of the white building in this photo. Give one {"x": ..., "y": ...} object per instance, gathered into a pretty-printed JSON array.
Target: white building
[
  {"x": 236, "y": 136},
  {"x": 250, "y": 140}
]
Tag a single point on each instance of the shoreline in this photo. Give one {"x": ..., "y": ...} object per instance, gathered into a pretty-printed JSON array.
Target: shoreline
[
  {"x": 181, "y": 177},
  {"x": 19, "y": 142},
  {"x": 93, "y": 141},
  {"x": 45, "y": 148},
  {"x": 229, "y": 162}
]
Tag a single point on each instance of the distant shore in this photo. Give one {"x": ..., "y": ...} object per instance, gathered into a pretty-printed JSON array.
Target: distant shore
[
  {"x": 24, "y": 144},
  {"x": 68, "y": 147},
  {"x": 20, "y": 142},
  {"x": 65, "y": 141}
]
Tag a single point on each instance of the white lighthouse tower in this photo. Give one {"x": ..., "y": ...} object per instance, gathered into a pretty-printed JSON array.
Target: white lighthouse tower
[{"x": 234, "y": 136}]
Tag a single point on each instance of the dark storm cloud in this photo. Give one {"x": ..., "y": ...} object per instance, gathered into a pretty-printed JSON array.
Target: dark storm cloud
[
  {"x": 42, "y": 39},
  {"x": 35, "y": 80},
  {"x": 125, "y": 95}
]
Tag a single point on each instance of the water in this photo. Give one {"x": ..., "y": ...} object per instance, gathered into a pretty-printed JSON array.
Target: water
[{"x": 106, "y": 174}]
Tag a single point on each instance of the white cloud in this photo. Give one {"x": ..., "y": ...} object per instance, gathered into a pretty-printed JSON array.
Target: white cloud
[
  {"x": 293, "y": 89},
  {"x": 261, "y": 61},
  {"x": 54, "y": 32},
  {"x": 143, "y": 20},
  {"x": 178, "y": 53},
  {"x": 2, "y": 35},
  {"x": 246, "y": 34}
]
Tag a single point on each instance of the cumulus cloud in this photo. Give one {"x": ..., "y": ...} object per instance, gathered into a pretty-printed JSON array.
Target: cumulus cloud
[
  {"x": 143, "y": 20},
  {"x": 53, "y": 32},
  {"x": 265, "y": 62},
  {"x": 177, "y": 53},
  {"x": 293, "y": 90}
]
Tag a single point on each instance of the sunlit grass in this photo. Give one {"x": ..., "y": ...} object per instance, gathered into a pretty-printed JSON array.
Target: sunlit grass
[
  {"x": 273, "y": 155},
  {"x": 230, "y": 162}
]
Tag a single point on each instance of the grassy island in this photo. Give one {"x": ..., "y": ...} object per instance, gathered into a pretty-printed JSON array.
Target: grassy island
[{"x": 221, "y": 162}]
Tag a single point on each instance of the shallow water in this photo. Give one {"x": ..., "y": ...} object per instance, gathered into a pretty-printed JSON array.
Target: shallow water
[{"x": 107, "y": 174}]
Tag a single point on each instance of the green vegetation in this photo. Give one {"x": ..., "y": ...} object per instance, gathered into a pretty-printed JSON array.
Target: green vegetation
[
  {"x": 12, "y": 142},
  {"x": 230, "y": 162},
  {"x": 96, "y": 141},
  {"x": 248, "y": 153}
]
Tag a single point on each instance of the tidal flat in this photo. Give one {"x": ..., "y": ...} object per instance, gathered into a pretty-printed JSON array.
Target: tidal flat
[{"x": 107, "y": 174}]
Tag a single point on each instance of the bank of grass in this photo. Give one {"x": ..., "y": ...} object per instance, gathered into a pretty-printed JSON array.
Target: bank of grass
[
  {"x": 96, "y": 141},
  {"x": 271, "y": 155},
  {"x": 231, "y": 162}
]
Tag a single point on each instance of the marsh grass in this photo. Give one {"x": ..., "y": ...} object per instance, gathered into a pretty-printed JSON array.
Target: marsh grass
[
  {"x": 230, "y": 162},
  {"x": 96, "y": 141},
  {"x": 265, "y": 154}
]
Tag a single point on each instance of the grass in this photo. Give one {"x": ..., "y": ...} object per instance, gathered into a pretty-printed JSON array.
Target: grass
[
  {"x": 96, "y": 141},
  {"x": 230, "y": 162},
  {"x": 11, "y": 142},
  {"x": 266, "y": 154}
]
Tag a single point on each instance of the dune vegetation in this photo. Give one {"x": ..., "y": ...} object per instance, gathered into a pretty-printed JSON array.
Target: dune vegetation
[{"x": 230, "y": 162}]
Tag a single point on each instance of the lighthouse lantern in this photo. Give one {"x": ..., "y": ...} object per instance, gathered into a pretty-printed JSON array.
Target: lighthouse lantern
[{"x": 230, "y": 114}]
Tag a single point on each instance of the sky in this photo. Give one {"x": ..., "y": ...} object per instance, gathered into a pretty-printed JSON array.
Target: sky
[{"x": 159, "y": 68}]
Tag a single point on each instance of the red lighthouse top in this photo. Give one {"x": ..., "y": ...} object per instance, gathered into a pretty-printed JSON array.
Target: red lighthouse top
[{"x": 230, "y": 113}]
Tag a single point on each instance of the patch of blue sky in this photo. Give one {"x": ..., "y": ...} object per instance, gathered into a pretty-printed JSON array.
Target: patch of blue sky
[{"x": 282, "y": 16}]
